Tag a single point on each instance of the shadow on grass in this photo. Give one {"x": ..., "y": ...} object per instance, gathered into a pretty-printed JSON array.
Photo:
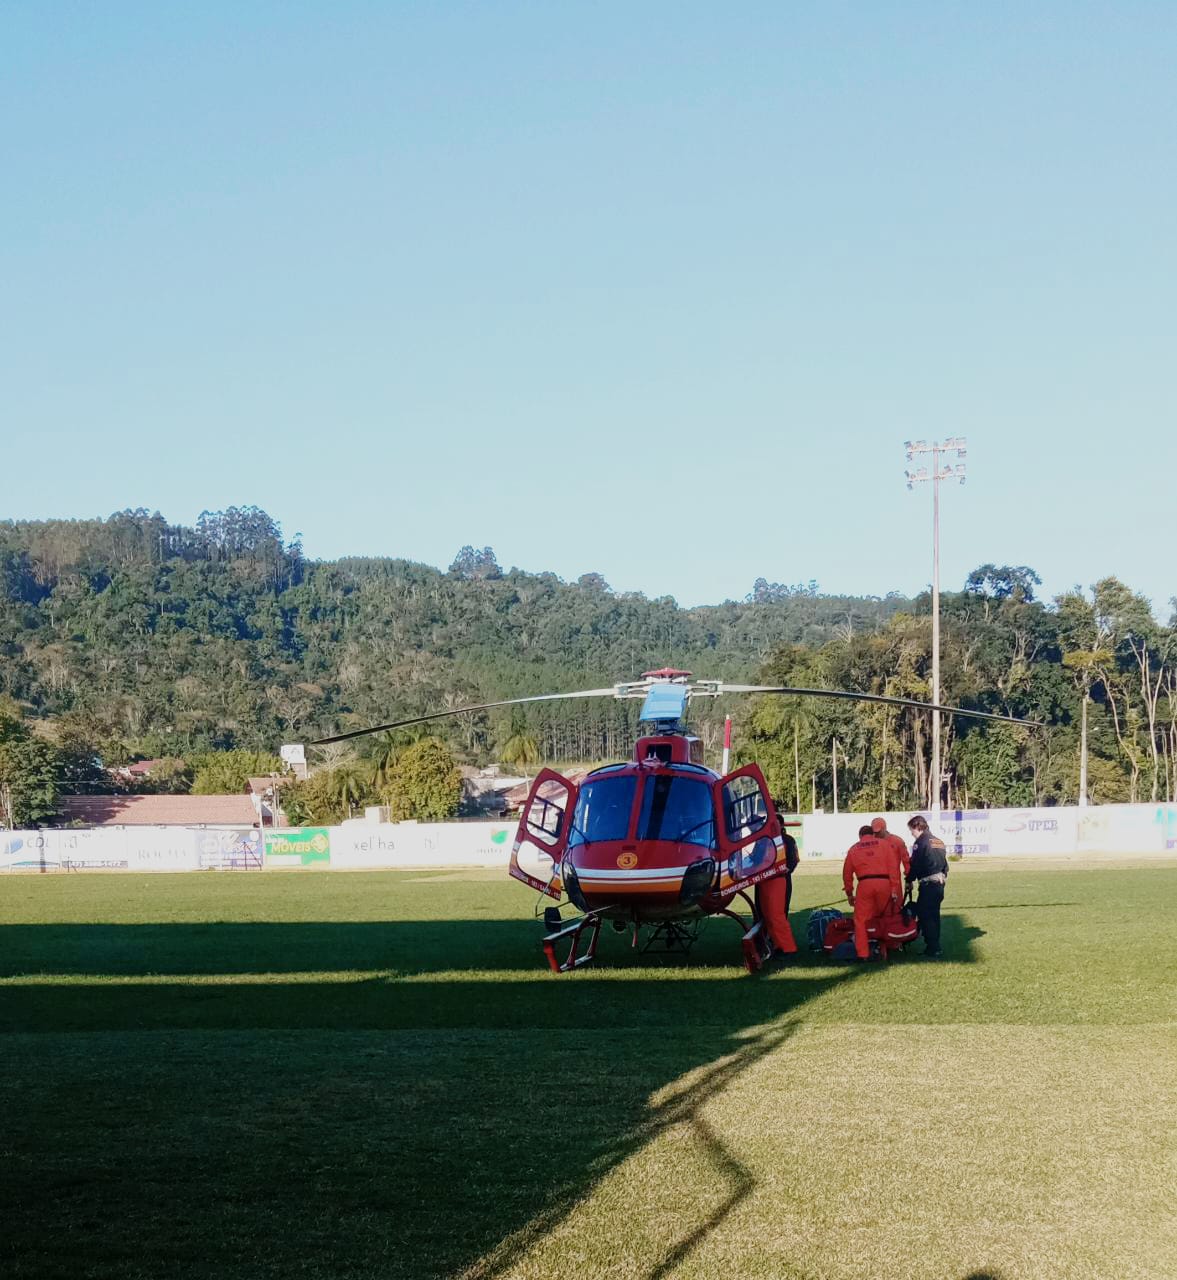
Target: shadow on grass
[
  {"x": 957, "y": 938},
  {"x": 302, "y": 1140},
  {"x": 681, "y": 1107},
  {"x": 1011, "y": 906},
  {"x": 222, "y": 948}
]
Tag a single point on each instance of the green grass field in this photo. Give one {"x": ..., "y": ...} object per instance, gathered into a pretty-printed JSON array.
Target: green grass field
[{"x": 372, "y": 1075}]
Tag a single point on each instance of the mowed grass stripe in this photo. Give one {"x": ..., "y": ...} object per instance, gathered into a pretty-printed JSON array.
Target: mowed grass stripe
[
  {"x": 851, "y": 1152},
  {"x": 1056, "y": 946},
  {"x": 372, "y": 1075},
  {"x": 1002, "y": 1150}
]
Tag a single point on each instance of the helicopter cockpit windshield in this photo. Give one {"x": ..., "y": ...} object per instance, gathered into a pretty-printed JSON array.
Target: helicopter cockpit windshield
[
  {"x": 678, "y": 809},
  {"x": 602, "y": 810}
]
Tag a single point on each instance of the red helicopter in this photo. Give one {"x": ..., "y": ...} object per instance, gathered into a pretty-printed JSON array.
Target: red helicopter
[{"x": 659, "y": 841}]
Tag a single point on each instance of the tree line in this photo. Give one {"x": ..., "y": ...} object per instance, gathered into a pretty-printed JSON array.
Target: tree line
[{"x": 134, "y": 637}]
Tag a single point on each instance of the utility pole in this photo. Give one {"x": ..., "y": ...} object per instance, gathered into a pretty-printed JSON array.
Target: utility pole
[
  {"x": 836, "y": 749},
  {"x": 797, "y": 762},
  {"x": 1083, "y": 752},
  {"x": 834, "y": 763},
  {"x": 939, "y": 470},
  {"x": 1085, "y": 662}
]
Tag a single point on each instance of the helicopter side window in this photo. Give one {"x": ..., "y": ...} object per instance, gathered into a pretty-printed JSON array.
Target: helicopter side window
[
  {"x": 744, "y": 808},
  {"x": 679, "y": 809},
  {"x": 545, "y": 817},
  {"x": 602, "y": 810}
]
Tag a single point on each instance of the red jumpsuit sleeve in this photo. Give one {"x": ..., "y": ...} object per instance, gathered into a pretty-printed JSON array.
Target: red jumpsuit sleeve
[
  {"x": 904, "y": 856},
  {"x": 896, "y": 878},
  {"x": 848, "y": 874}
]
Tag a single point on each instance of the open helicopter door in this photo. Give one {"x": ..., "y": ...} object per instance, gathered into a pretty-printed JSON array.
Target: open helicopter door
[
  {"x": 750, "y": 848},
  {"x": 750, "y": 844},
  {"x": 542, "y": 834}
]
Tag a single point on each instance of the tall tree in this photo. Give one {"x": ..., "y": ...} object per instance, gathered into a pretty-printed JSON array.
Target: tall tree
[
  {"x": 29, "y": 773},
  {"x": 427, "y": 784},
  {"x": 228, "y": 772}
]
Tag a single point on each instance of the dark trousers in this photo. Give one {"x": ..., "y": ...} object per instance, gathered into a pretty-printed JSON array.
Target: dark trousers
[{"x": 927, "y": 908}]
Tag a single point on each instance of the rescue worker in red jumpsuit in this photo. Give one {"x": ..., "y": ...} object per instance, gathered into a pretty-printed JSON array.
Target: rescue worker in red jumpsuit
[
  {"x": 872, "y": 862},
  {"x": 897, "y": 843},
  {"x": 772, "y": 899}
]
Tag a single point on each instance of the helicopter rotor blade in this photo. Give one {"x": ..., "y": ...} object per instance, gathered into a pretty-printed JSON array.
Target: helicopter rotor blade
[
  {"x": 874, "y": 697},
  {"x": 458, "y": 711}
]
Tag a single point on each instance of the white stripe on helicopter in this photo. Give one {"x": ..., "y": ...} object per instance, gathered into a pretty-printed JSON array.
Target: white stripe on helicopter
[{"x": 653, "y": 873}]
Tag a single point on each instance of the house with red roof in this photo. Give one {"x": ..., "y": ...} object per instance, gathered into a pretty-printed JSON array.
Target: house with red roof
[{"x": 158, "y": 811}]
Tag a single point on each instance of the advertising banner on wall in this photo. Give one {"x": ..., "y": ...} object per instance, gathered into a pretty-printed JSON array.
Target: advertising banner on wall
[
  {"x": 303, "y": 847},
  {"x": 1032, "y": 831},
  {"x": 478, "y": 844},
  {"x": 421, "y": 844},
  {"x": 102, "y": 849},
  {"x": 357, "y": 846},
  {"x": 29, "y": 851},
  {"x": 964, "y": 831},
  {"x": 1165, "y": 820},
  {"x": 141, "y": 848},
  {"x": 1108, "y": 828},
  {"x": 237, "y": 849},
  {"x": 99, "y": 850},
  {"x": 967, "y": 833}
]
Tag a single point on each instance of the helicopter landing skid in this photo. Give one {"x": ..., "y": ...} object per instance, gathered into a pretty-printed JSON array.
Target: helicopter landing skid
[
  {"x": 672, "y": 937},
  {"x": 573, "y": 931},
  {"x": 756, "y": 944}
]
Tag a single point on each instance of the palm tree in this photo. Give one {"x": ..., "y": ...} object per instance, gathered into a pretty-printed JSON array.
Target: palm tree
[
  {"x": 520, "y": 750},
  {"x": 384, "y": 759},
  {"x": 347, "y": 787}
]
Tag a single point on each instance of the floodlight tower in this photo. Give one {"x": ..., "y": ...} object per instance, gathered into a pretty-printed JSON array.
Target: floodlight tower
[{"x": 941, "y": 469}]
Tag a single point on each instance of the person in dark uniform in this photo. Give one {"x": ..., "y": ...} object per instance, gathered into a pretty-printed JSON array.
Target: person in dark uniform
[
  {"x": 792, "y": 859},
  {"x": 929, "y": 869}
]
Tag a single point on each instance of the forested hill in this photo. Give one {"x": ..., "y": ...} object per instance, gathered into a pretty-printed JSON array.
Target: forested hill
[
  {"x": 158, "y": 639},
  {"x": 133, "y": 637}
]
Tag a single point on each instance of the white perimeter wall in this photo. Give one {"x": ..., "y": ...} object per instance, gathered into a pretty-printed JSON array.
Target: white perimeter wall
[
  {"x": 351, "y": 846},
  {"x": 1114, "y": 830},
  {"x": 1127, "y": 829}
]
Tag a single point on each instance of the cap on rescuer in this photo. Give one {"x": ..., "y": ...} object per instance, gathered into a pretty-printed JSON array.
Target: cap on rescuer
[{"x": 877, "y": 825}]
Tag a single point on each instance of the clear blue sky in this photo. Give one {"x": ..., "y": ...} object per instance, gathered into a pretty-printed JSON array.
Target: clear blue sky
[{"x": 655, "y": 290}]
